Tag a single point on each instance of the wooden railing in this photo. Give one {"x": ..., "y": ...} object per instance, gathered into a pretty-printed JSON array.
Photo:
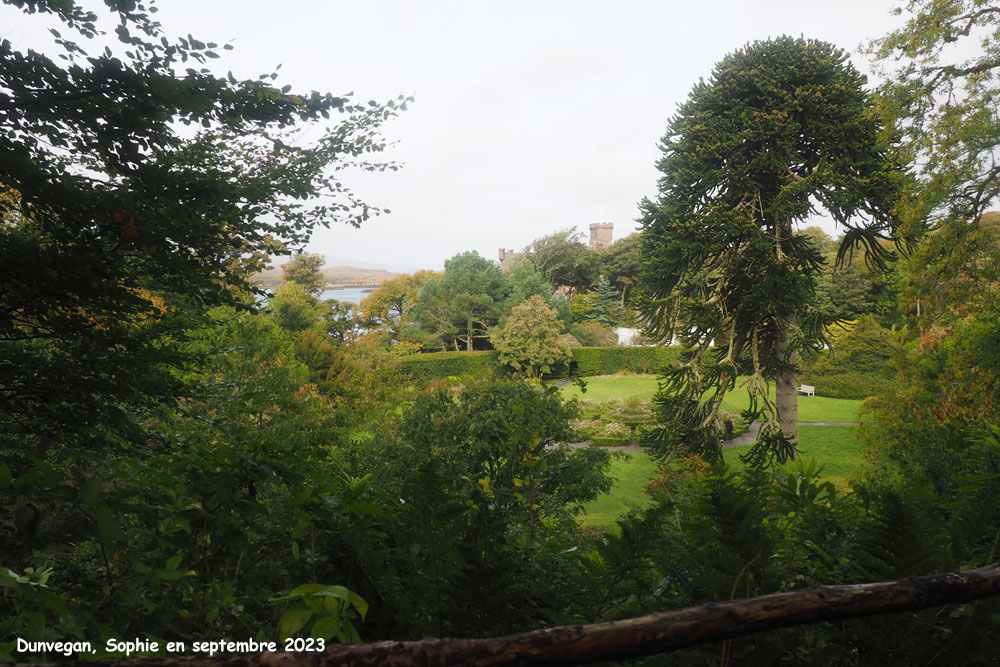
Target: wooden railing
[{"x": 634, "y": 637}]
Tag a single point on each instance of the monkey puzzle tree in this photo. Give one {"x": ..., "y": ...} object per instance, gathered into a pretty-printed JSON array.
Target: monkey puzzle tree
[{"x": 782, "y": 129}]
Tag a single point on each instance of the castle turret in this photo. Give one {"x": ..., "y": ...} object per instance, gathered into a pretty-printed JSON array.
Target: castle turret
[{"x": 600, "y": 235}]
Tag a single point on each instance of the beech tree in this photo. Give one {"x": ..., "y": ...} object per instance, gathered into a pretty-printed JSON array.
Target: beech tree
[
  {"x": 942, "y": 77},
  {"x": 389, "y": 306},
  {"x": 941, "y": 70},
  {"x": 782, "y": 129},
  {"x": 109, "y": 204}
]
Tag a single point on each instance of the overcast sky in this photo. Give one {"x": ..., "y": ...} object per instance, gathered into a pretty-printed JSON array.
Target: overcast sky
[{"x": 529, "y": 117}]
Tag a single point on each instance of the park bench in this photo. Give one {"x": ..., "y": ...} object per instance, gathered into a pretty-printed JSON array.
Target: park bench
[{"x": 807, "y": 389}]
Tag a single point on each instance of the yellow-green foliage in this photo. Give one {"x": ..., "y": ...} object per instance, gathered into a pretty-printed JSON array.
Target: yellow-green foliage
[{"x": 529, "y": 340}]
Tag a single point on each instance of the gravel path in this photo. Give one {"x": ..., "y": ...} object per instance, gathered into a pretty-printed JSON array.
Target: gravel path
[{"x": 745, "y": 438}]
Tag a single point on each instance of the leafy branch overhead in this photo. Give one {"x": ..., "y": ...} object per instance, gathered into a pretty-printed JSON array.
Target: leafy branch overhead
[
  {"x": 104, "y": 186},
  {"x": 941, "y": 72}
]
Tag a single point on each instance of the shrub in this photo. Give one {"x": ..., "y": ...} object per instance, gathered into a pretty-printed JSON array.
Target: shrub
[
  {"x": 594, "y": 334},
  {"x": 529, "y": 340},
  {"x": 422, "y": 368}
]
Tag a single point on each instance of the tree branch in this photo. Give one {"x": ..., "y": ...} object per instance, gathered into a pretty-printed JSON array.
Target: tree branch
[
  {"x": 971, "y": 19},
  {"x": 635, "y": 637}
]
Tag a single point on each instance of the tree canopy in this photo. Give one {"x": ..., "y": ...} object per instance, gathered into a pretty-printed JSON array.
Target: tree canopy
[
  {"x": 780, "y": 126},
  {"x": 458, "y": 308},
  {"x": 135, "y": 172},
  {"x": 565, "y": 260},
  {"x": 305, "y": 268},
  {"x": 941, "y": 73},
  {"x": 622, "y": 264},
  {"x": 390, "y": 305}
]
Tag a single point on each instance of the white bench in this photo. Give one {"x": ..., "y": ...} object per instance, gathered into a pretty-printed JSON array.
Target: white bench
[{"x": 807, "y": 389}]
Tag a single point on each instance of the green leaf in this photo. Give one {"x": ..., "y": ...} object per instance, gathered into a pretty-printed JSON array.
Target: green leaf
[
  {"x": 88, "y": 491},
  {"x": 306, "y": 589},
  {"x": 358, "y": 603},
  {"x": 169, "y": 575},
  {"x": 326, "y": 628},
  {"x": 292, "y": 621},
  {"x": 108, "y": 528}
]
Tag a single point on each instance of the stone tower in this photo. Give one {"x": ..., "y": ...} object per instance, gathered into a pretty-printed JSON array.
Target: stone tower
[{"x": 600, "y": 235}]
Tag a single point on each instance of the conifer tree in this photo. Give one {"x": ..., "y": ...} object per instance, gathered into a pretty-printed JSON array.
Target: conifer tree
[{"x": 781, "y": 129}]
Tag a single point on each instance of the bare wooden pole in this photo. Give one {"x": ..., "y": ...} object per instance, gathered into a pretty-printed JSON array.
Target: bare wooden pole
[{"x": 634, "y": 637}]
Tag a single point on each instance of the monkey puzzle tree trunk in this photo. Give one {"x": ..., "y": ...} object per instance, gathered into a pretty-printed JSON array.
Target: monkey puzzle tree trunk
[
  {"x": 786, "y": 377},
  {"x": 786, "y": 382}
]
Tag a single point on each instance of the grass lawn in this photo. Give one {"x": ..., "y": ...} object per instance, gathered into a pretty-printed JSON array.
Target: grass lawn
[
  {"x": 836, "y": 447},
  {"x": 811, "y": 408},
  {"x": 630, "y": 472},
  {"x": 624, "y": 386}
]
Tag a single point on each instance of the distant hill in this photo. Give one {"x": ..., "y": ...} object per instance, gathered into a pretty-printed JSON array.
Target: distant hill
[{"x": 335, "y": 275}]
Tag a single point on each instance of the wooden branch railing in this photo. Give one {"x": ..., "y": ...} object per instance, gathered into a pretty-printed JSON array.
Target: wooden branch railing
[{"x": 634, "y": 637}]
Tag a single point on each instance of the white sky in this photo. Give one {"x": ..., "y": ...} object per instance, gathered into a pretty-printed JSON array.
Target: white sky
[{"x": 529, "y": 117}]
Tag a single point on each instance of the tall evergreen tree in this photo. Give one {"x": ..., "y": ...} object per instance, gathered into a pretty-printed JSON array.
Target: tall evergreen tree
[
  {"x": 606, "y": 308},
  {"x": 781, "y": 125},
  {"x": 457, "y": 309}
]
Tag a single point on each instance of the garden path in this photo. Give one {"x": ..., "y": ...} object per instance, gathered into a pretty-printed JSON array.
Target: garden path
[{"x": 745, "y": 438}]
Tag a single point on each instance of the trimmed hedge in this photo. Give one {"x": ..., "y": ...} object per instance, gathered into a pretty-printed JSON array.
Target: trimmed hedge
[
  {"x": 610, "y": 360},
  {"x": 586, "y": 361},
  {"x": 861, "y": 366},
  {"x": 423, "y": 368},
  {"x": 853, "y": 384}
]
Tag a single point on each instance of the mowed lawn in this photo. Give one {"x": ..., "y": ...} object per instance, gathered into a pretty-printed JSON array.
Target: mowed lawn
[
  {"x": 836, "y": 448},
  {"x": 811, "y": 408},
  {"x": 631, "y": 473}
]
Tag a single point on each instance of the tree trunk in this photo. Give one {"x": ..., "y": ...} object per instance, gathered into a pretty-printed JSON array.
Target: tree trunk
[
  {"x": 786, "y": 382},
  {"x": 786, "y": 379},
  {"x": 632, "y": 637}
]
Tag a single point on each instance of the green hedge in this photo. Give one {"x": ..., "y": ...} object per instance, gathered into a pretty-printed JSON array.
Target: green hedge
[
  {"x": 853, "y": 384},
  {"x": 610, "y": 360},
  {"x": 423, "y": 368},
  {"x": 586, "y": 361}
]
